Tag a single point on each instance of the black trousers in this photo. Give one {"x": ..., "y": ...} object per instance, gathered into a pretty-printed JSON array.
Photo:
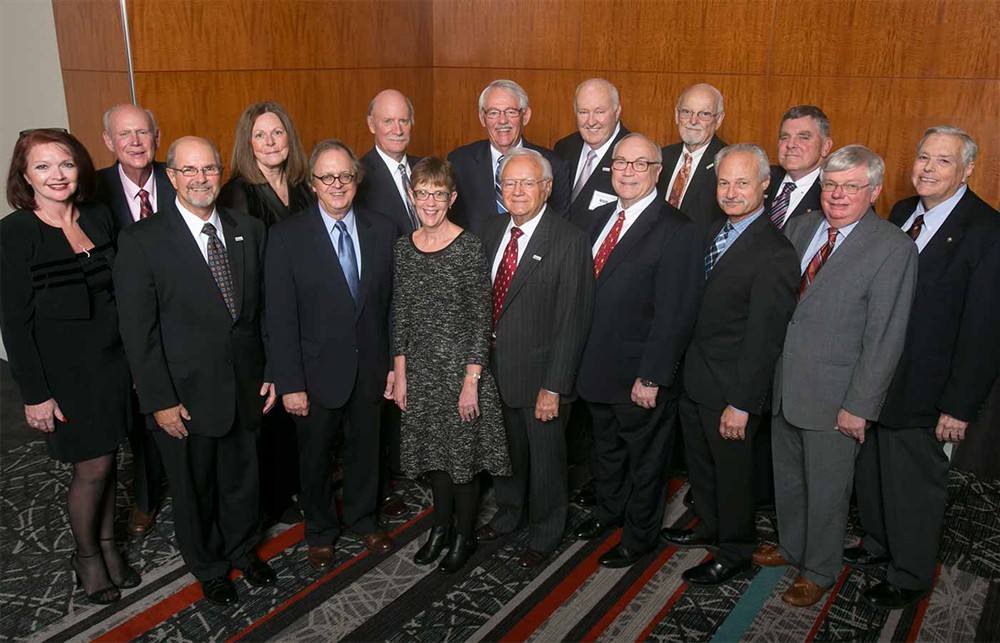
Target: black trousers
[
  {"x": 216, "y": 499},
  {"x": 360, "y": 420},
  {"x": 147, "y": 464},
  {"x": 633, "y": 448},
  {"x": 901, "y": 477},
  {"x": 389, "y": 455},
  {"x": 721, "y": 473},
  {"x": 279, "y": 462},
  {"x": 763, "y": 463}
]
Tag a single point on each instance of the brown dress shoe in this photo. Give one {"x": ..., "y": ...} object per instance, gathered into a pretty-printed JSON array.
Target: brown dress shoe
[
  {"x": 768, "y": 556},
  {"x": 803, "y": 593},
  {"x": 321, "y": 558},
  {"x": 141, "y": 523},
  {"x": 531, "y": 559},
  {"x": 378, "y": 542},
  {"x": 393, "y": 506}
]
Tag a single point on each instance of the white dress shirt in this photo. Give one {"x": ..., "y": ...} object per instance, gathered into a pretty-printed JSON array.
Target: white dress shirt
[
  {"x": 933, "y": 218},
  {"x": 195, "y": 224},
  {"x": 495, "y": 154},
  {"x": 696, "y": 157},
  {"x": 393, "y": 166},
  {"x": 819, "y": 240},
  {"x": 599, "y": 155},
  {"x": 522, "y": 243},
  {"x": 631, "y": 215},
  {"x": 132, "y": 192},
  {"x": 801, "y": 187},
  {"x": 351, "y": 223}
]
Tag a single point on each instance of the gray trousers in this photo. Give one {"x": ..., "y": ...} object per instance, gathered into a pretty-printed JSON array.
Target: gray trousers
[{"x": 813, "y": 478}]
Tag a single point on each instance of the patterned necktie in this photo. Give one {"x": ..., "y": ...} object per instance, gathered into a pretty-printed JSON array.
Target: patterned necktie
[
  {"x": 588, "y": 169},
  {"x": 780, "y": 205},
  {"x": 218, "y": 263},
  {"x": 505, "y": 272},
  {"x": 918, "y": 225},
  {"x": 145, "y": 207},
  {"x": 348, "y": 260},
  {"x": 410, "y": 210},
  {"x": 818, "y": 260},
  {"x": 721, "y": 241},
  {"x": 680, "y": 182},
  {"x": 608, "y": 244},
  {"x": 496, "y": 183}
]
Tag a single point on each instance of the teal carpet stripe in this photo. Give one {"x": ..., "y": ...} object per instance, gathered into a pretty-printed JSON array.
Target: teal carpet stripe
[{"x": 742, "y": 615}]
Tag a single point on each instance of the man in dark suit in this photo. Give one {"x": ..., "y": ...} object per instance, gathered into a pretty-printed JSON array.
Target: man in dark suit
[
  {"x": 503, "y": 111},
  {"x": 949, "y": 363},
  {"x": 329, "y": 280},
  {"x": 649, "y": 272},
  {"x": 803, "y": 144},
  {"x": 133, "y": 188},
  {"x": 752, "y": 274},
  {"x": 540, "y": 330},
  {"x": 188, "y": 285},
  {"x": 687, "y": 181}
]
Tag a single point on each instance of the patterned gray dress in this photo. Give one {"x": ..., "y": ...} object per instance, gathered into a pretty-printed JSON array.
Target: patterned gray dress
[{"x": 442, "y": 307}]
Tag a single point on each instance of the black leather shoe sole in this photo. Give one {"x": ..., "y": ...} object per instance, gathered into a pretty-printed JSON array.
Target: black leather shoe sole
[
  {"x": 220, "y": 591},
  {"x": 620, "y": 556},
  {"x": 715, "y": 573},
  {"x": 887, "y": 596},
  {"x": 260, "y": 574},
  {"x": 687, "y": 539}
]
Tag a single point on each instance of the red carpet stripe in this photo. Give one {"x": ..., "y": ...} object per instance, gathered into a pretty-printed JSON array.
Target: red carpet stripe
[
  {"x": 663, "y": 612},
  {"x": 830, "y": 598},
  {"x": 918, "y": 618}
]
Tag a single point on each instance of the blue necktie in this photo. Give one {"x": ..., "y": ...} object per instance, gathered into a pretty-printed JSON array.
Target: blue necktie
[
  {"x": 715, "y": 252},
  {"x": 348, "y": 260},
  {"x": 496, "y": 183}
]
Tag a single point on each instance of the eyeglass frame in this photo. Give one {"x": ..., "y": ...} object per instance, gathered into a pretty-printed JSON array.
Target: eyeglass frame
[
  {"x": 26, "y": 132},
  {"x": 511, "y": 113},
  {"x": 443, "y": 194},
  {"x": 529, "y": 184},
  {"x": 189, "y": 171},
  {"x": 849, "y": 189},
  {"x": 329, "y": 179},
  {"x": 635, "y": 168},
  {"x": 704, "y": 115}
]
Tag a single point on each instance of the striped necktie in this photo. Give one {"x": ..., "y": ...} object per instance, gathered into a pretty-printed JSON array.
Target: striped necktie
[
  {"x": 780, "y": 205},
  {"x": 496, "y": 183},
  {"x": 721, "y": 240}
]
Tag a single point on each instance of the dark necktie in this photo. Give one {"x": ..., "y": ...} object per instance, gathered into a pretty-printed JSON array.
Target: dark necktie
[
  {"x": 505, "y": 272},
  {"x": 818, "y": 260},
  {"x": 608, "y": 244},
  {"x": 348, "y": 261},
  {"x": 780, "y": 205},
  {"x": 145, "y": 207},
  {"x": 588, "y": 169},
  {"x": 677, "y": 190},
  {"x": 218, "y": 263},
  {"x": 410, "y": 210},
  {"x": 721, "y": 240},
  {"x": 918, "y": 225},
  {"x": 496, "y": 183}
]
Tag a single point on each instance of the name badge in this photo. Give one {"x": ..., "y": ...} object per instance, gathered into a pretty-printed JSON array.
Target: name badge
[{"x": 601, "y": 198}]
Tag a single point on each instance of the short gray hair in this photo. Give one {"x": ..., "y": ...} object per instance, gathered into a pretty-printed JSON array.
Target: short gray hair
[
  {"x": 111, "y": 110},
  {"x": 808, "y": 111},
  {"x": 969, "y": 147},
  {"x": 172, "y": 150},
  {"x": 659, "y": 152},
  {"x": 524, "y": 152},
  {"x": 763, "y": 164},
  {"x": 850, "y": 157},
  {"x": 719, "y": 108},
  {"x": 509, "y": 85},
  {"x": 611, "y": 89}
]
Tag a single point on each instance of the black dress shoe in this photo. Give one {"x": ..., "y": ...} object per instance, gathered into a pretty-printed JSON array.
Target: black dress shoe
[
  {"x": 893, "y": 597},
  {"x": 393, "y": 506},
  {"x": 220, "y": 591},
  {"x": 864, "y": 559},
  {"x": 712, "y": 573},
  {"x": 621, "y": 556},
  {"x": 586, "y": 496},
  {"x": 531, "y": 558},
  {"x": 686, "y": 538},
  {"x": 487, "y": 533},
  {"x": 689, "y": 499},
  {"x": 435, "y": 544},
  {"x": 459, "y": 552},
  {"x": 259, "y": 573},
  {"x": 591, "y": 528}
]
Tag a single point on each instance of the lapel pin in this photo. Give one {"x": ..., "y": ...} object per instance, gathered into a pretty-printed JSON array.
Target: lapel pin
[
  {"x": 605, "y": 169},
  {"x": 710, "y": 166},
  {"x": 238, "y": 239},
  {"x": 537, "y": 258},
  {"x": 949, "y": 239}
]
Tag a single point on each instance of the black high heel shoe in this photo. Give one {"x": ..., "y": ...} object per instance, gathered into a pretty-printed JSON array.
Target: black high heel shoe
[
  {"x": 130, "y": 577},
  {"x": 103, "y": 596},
  {"x": 433, "y": 547},
  {"x": 462, "y": 548}
]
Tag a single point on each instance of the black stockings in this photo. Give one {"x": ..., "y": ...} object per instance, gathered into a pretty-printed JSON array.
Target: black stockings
[
  {"x": 91, "y": 502},
  {"x": 460, "y": 500}
]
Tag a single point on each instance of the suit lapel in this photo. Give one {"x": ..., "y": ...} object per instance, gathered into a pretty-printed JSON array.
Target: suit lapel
[
  {"x": 120, "y": 203},
  {"x": 389, "y": 180},
  {"x": 366, "y": 240},
  {"x": 811, "y": 196},
  {"x": 949, "y": 235},
  {"x": 190, "y": 260},
  {"x": 234, "y": 249},
  {"x": 849, "y": 249},
  {"x": 323, "y": 245},
  {"x": 165, "y": 193},
  {"x": 634, "y": 235},
  {"x": 486, "y": 172},
  {"x": 575, "y": 149},
  {"x": 527, "y": 263},
  {"x": 743, "y": 243}
]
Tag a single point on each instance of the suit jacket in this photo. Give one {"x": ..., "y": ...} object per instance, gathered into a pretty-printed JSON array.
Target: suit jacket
[
  {"x": 475, "y": 174},
  {"x": 111, "y": 193},
  {"x": 378, "y": 192},
  {"x": 699, "y": 201},
  {"x": 847, "y": 332},
  {"x": 546, "y": 314},
  {"x": 749, "y": 298},
  {"x": 319, "y": 340},
  {"x": 809, "y": 203},
  {"x": 181, "y": 342},
  {"x": 569, "y": 149},
  {"x": 646, "y": 301},
  {"x": 952, "y": 349}
]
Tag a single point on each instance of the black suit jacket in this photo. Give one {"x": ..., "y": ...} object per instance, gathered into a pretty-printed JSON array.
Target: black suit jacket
[
  {"x": 475, "y": 174},
  {"x": 546, "y": 314},
  {"x": 952, "y": 351},
  {"x": 181, "y": 342},
  {"x": 645, "y": 305},
  {"x": 378, "y": 192},
  {"x": 320, "y": 342},
  {"x": 111, "y": 193},
  {"x": 749, "y": 298},
  {"x": 809, "y": 203},
  {"x": 699, "y": 201},
  {"x": 569, "y": 149}
]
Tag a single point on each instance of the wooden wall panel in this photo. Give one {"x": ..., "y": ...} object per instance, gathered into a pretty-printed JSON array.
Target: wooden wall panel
[
  {"x": 90, "y": 36},
  {"x": 92, "y": 92}
]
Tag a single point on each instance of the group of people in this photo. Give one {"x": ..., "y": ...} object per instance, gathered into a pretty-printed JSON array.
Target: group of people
[{"x": 490, "y": 313}]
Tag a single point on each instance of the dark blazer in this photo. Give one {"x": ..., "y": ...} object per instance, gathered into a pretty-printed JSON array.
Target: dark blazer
[
  {"x": 474, "y": 173},
  {"x": 181, "y": 342},
  {"x": 378, "y": 192},
  {"x": 110, "y": 192},
  {"x": 646, "y": 302},
  {"x": 749, "y": 298},
  {"x": 699, "y": 201},
  {"x": 809, "y": 203},
  {"x": 952, "y": 351},
  {"x": 261, "y": 201},
  {"x": 320, "y": 342},
  {"x": 569, "y": 149},
  {"x": 546, "y": 314}
]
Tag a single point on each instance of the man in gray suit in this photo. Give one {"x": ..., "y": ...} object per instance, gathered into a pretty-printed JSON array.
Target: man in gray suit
[
  {"x": 541, "y": 318},
  {"x": 840, "y": 353}
]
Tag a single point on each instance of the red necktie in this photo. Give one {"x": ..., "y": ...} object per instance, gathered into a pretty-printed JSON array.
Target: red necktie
[
  {"x": 608, "y": 244},
  {"x": 818, "y": 260},
  {"x": 505, "y": 273},
  {"x": 679, "y": 182},
  {"x": 918, "y": 225},
  {"x": 145, "y": 207}
]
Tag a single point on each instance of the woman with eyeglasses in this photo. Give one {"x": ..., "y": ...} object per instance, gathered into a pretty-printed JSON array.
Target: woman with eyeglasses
[
  {"x": 452, "y": 428},
  {"x": 60, "y": 328}
]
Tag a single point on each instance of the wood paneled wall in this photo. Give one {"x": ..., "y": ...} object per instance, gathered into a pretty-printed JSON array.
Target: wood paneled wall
[{"x": 883, "y": 70}]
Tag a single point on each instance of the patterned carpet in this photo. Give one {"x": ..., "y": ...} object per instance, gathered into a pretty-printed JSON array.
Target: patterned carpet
[{"x": 372, "y": 598}]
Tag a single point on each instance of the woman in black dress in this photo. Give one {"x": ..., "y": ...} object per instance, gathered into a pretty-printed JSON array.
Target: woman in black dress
[{"x": 60, "y": 327}]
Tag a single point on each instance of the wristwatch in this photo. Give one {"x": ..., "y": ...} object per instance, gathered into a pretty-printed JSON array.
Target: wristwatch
[{"x": 648, "y": 383}]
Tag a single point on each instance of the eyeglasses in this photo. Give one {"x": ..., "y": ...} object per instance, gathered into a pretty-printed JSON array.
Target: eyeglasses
[
  {"x": 703, "y": 115},
  {"x": 848, "y": 188},
  {"x": 190, "y": 170},
  {"x": 440, "y": 196},
  {"x": 345, "y": 178},
  {"x": 510, "y": 112},
  {"x": 527, "y": 184},
  {"x": 58, "y": 130},
  {"x": 640, "y": 165}
]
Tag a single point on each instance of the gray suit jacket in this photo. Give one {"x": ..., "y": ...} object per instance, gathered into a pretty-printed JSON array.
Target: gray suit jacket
[{"x": 847, "y": 332}]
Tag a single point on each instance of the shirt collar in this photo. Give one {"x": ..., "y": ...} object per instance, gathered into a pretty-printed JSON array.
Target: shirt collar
[
  {"x": 805, "y": 182},
  {"x": 131, "y": 189},
  {"x": 196, "y": 223},
  {"x": 349, "y": 221},
  {"x": 743, "y": 224},
  {"x": 392, "y": 163},
  {"x": 636, "y": 207},
  {"x": 495, "y": 153},
  {"x": 943, "y": 209},
  {"x": 530, "y": 226},
  {"x": 602, "y": 150}
]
